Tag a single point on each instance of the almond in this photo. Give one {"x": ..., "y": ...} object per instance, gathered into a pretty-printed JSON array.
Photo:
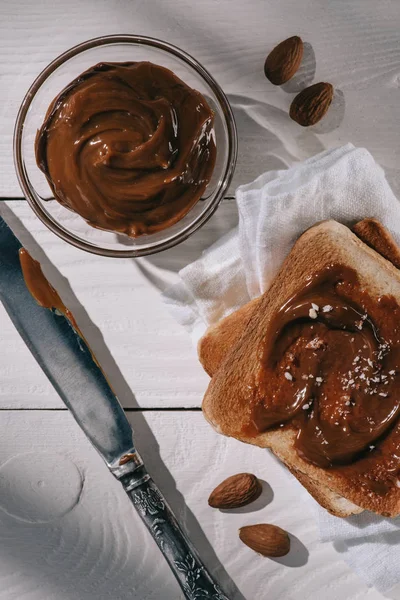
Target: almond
[
  {"x": 311, "y": 104},
  {"x": 268, "y": 540},
  {"x": 284, "y": 60},
  {"x": 236, "y": 491}
]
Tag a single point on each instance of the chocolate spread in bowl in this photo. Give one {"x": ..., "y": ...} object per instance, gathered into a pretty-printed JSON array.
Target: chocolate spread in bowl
[
  {"x": 128, "y": 146},
  {"x": 330, "y": 369}
]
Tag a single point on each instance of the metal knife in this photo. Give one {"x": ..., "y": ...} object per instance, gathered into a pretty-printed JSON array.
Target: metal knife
[{"x": 69, "y": 364}]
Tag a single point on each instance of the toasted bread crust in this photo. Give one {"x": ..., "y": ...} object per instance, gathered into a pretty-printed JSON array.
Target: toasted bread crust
[
  {"x": 226, "y": 404},
  {"x": 376, "y": 236},
  {"x": 333, "y": 503},
  {"x": 219, "y": 339}
]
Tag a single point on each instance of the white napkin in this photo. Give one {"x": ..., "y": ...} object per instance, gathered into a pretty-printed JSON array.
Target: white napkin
[{"x": 344, "y": 184}]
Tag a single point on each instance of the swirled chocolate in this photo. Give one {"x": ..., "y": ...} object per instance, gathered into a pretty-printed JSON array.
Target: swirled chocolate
[
  {"x": 128, "y": 146},
  {"x": 330, "y": 368}
]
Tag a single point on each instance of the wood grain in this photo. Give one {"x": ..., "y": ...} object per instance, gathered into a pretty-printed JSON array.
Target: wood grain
[
  {"x": 99, "y": 547},
  {"x": 117, "y": 304},
  {"x": 356, "y": 47}
]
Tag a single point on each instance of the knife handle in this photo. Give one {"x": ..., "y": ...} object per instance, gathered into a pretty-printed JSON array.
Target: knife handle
[{"x": 193, "y": 577}]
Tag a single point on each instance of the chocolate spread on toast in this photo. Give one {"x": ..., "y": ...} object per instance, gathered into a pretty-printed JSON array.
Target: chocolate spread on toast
[{"x": 330, "y": 368}]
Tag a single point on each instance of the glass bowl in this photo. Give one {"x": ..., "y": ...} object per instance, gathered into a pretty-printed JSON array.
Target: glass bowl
[{"x": 114, "y": 48}]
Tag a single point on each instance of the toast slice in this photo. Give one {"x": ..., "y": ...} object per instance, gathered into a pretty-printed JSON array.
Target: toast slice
[
  {"x": 228, "y": 351},
  {"x": 219, "y": 338}
]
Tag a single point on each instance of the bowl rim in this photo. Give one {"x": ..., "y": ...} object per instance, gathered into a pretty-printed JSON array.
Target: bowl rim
[{"x": 30, "y": 192}]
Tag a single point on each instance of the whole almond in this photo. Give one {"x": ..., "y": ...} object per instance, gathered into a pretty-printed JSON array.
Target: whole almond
[
  {"x": 284, "y": 60},
  {"x": 236, "y": 491},
  {"x": 268, "y": 540},
  {"x": 311, "y": 104}
]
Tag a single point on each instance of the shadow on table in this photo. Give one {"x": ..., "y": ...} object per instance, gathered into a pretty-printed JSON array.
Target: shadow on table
[
  {"x": 386, "y": 539},
  {"x": 161, "y": 269},
  {"x": 367, "y": 518},
  {"x": 174, "y": 259},
  {"x": 268, "y": 138},
  {"x": 297, "y": 556},
  {"x": 305, "y": 74},
  {"x": 146, "y": 442}
]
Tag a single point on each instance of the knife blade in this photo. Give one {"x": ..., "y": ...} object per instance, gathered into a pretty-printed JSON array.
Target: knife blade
[
  {"x": 64, "y": 357},
  {"x": 70, "y": 365}
]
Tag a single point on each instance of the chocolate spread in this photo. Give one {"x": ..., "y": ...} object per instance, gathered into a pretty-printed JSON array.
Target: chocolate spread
[
  {"x": 128, "y": 146},
  {"x": 41, "y": 290},
  {"x": 330, "y": 369},
  {"x": 45, "y": 295}
]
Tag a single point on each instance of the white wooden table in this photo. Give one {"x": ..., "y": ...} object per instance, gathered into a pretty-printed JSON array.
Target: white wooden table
[{"x": 67, "y": 532}]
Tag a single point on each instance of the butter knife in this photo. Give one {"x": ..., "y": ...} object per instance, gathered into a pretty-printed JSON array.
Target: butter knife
[{"x": 70, "y": 365}]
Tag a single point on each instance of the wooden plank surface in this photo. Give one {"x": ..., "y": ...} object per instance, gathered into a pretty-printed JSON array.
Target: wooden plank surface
[
  {"x": 68, "y": 531},
  {"x": 356, "y": 46},
  {"x": 61, "y": 540},
  {"x": 118, "y": 305}
]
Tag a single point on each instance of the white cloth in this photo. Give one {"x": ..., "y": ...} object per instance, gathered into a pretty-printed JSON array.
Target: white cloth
[{"x": 344, "y": 184}]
